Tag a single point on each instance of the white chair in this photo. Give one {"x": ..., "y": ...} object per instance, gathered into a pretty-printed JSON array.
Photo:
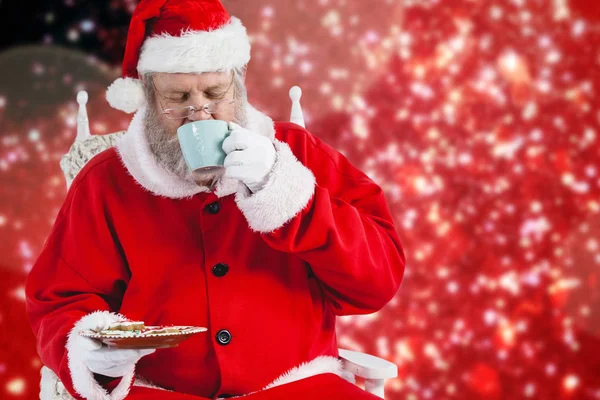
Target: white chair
[{"x": 372, "y": 369}]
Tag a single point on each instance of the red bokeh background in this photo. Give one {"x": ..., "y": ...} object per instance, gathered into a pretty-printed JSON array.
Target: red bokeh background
[{"x": 480, "y": 119}]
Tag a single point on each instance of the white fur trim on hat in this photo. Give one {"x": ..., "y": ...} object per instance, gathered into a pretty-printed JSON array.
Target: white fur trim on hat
[
  {"x": 126, "y": 94},
  {"x": 83, "y": 379},
  {"x": 197, "y": 51},
  {"x": 289, "y": 189}
]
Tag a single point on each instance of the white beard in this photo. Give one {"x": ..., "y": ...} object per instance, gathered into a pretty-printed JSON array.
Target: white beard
[{"x": 165, "y": 148}]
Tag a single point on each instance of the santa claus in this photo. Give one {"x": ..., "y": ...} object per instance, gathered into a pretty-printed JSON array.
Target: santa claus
[{"x": 265, "y": 253}]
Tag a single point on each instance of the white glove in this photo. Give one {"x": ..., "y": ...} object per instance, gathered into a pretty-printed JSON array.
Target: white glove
[
  {"x": 250, "y": 157},
  {"x": 110, "y": 362}
]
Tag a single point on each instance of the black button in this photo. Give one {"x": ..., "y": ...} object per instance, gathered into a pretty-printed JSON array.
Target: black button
[
  {"x": 213, "y": 208},
  {"x": 220, "y": 270},
  {"x": 223, "y": 337}
]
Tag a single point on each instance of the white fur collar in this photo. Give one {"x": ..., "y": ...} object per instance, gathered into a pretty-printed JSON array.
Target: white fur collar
[{"x": 135, "y": 153}]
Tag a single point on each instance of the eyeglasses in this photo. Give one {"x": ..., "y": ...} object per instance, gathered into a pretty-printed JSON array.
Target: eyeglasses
[{"x": 188, "y": 111}]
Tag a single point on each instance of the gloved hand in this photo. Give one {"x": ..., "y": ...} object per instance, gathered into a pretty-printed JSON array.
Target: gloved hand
[
  {"x": 250, "y": 157},
  {"x": 108, "y": 361}
]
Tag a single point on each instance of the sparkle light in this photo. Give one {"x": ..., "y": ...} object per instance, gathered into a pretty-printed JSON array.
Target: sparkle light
[
  {"x": 16, "y": 386},
  {"x": 570, "y": 382}
]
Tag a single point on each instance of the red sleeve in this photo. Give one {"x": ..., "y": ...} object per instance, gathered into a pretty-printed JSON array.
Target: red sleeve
[
  {"x": 78, "y": 272},
  {"x": 318, "y": 206}
]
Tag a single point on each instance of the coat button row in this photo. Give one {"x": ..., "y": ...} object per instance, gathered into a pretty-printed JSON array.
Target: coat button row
[
  {"x": 213, "y": 208},
  {"x": 220, "y": 270},
  {"x": 223, "y": 337}
]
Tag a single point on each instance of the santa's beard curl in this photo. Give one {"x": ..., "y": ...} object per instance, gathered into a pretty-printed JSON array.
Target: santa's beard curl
[{"x": 164, "y": 143}]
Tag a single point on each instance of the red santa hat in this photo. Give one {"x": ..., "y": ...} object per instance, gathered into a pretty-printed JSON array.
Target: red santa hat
[{"x": 177, "y": 36}]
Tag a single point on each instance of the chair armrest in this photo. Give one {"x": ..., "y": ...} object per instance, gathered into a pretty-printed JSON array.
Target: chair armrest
[
  {"x": 367, "y": 366},
  {"x": 83, "y": 150}
]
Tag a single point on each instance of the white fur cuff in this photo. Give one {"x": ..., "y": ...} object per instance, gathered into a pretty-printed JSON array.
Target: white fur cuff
[
  {"x": 83, "y": 379},
  {"x": 290, "y": 187}
]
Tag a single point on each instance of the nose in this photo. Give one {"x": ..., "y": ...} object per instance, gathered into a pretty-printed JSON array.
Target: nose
[{"x": 200, "y": 116}]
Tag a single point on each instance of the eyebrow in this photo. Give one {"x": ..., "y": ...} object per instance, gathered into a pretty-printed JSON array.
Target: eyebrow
[
  {"x": 218, "y": 86},
  {"x": 223, "y": 85},
  {"x": 175, "y": 91}
]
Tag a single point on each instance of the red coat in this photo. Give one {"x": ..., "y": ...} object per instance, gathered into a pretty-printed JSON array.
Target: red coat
[{"x": 272, "y": 269}]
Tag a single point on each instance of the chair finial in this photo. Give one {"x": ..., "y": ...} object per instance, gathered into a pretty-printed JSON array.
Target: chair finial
[
  {"x": 295, "y": 93},
  {"x": 82, "y": 97},
  {"x": 296, "y": 116},
  {"x": 83, "y": 124}
]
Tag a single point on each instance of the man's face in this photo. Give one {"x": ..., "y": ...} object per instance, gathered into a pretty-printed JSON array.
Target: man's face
[{"x": 181, "y": 90}]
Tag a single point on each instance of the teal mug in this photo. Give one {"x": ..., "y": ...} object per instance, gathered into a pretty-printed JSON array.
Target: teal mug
[{"x": 202, "y": 143}]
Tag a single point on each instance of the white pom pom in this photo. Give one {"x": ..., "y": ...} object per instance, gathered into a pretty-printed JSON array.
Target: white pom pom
[{"x": 126, "y": 94}]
